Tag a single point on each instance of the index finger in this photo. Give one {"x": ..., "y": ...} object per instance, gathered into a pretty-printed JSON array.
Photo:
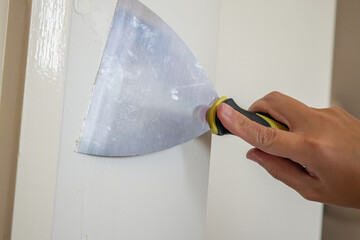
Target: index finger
[
  {"x": 270, "y": 140},
  {"x": 283, "y": 108}
]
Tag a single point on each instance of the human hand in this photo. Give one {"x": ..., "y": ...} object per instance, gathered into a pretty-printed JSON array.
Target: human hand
[{"x": 319, "y": 156}]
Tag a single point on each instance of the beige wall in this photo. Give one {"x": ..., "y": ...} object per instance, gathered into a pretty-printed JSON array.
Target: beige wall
[
  {"x": 342, "y": 223},
  {"x": 346, "y": 71},
  {"x": 11, "y": 103},
  {"x": 3, "y": 164},
  {"x": 4, "y": 7}
]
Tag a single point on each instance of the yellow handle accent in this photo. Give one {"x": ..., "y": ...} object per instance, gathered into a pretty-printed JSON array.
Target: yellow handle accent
[
  {"x": 273, "y": 123},
  {"x": 211, "y": 114}
]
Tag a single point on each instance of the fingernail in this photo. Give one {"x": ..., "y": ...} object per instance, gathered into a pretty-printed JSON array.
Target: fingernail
[
  {"x": 226, "y": 110},
  {"x": 252, "y": 156}
]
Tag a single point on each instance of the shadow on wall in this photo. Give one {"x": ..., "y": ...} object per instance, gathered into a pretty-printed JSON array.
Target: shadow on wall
[
  {"x": 192, "y": 168},
  {"x": 341, "y": 223},
  {"x": 344, "y": 223},
  {"x": 346, "y": 70}
]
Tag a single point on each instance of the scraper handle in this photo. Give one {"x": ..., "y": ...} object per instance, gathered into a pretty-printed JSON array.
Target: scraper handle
[{"x": 218, "y": 128}]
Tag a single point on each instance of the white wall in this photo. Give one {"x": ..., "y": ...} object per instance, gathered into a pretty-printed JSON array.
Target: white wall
[
  {"x": 282, "y": 45},
  {"x": 41, "y": 119},
  {"x": 157, "y": 196},
  {"x": 264, "y": 46}
]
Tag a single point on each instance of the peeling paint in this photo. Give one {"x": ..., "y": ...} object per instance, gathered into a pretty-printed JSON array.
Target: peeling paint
[{"x": 95, "y": 17}]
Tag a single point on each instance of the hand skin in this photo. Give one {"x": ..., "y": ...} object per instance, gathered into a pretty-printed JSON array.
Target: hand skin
[{"x": 319, "y": 156}]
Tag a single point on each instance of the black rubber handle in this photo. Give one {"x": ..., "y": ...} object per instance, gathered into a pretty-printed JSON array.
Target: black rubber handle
[{"x": 261, "y": 118}]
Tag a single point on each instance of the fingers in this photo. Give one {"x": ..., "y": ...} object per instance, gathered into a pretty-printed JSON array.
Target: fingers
[
  {"x": 283, "y": 108},
  {"x": 284, "y": 170},
  {"x": 273, "y": 141}
]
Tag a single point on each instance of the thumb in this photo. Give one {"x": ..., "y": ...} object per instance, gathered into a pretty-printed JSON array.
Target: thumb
[{"x": 284, "y": 170}]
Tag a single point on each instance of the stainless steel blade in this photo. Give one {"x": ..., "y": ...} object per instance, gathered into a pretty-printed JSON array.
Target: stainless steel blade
[{"x": 150, "y": 93}]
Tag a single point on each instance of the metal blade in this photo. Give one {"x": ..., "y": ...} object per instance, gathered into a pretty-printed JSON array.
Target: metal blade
[{"x": 150, "y": 93}]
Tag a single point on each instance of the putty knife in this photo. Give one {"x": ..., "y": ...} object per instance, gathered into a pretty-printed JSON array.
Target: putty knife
[{"x": 150, "y": 92}]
